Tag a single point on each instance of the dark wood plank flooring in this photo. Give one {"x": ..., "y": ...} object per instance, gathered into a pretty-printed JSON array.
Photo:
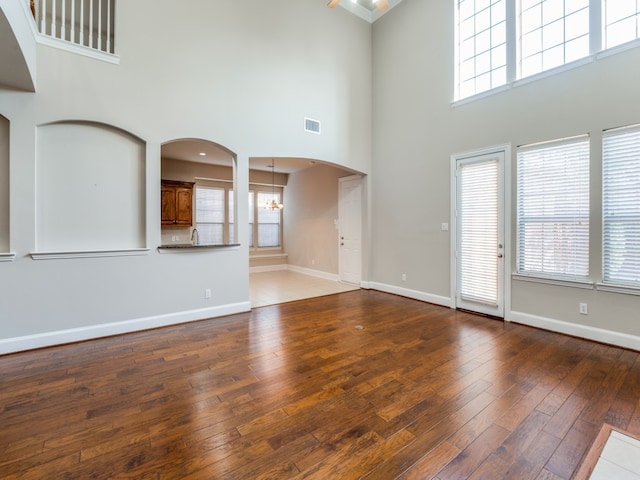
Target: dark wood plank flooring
[{"x": 355, "y": 385}]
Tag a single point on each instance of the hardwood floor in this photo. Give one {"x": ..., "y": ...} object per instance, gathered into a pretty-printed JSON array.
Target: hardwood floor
[{"x": 356, "y": 385}]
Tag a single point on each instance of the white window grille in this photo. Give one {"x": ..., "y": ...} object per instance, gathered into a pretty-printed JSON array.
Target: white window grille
[
  {"x": 481, "y": 46},
  {"x": 552, "y": 33},
  {"x": 620, "y": 22}
]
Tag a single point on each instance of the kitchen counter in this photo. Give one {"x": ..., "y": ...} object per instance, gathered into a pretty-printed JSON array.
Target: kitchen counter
[{"x": 199, "y": 246}]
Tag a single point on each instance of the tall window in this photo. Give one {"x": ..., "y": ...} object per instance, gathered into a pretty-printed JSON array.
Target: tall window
[
  {"x": 481, "y": 36},
  {"x": 500, "y": 41},
  {"x": 621, "y": 206},
  {"x": 621, "y": 22},
  {"x": 553, "y": 209},
  {"x": 210, "y": 214},
  {"x": 232, "y": 237},
  {"x": 552, "y": 33},
  {"x": 268, "y": 220},
  {"x": 252, "y": 216}
]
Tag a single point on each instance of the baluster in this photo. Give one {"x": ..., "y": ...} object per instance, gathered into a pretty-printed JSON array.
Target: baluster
[
  {"x": 108, "y": 26},
  {"x": 63, "y": 21},
  {"x": 99, "y": 28},
  {"x": 43, "y": 15},
  {"x": 72, "y": 35},
  {"x": 81, "y": 42},
  {"x": 90, "y": 23},
  {"x": 54, "y": 30}
]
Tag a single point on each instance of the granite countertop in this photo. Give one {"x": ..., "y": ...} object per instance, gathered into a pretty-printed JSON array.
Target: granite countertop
[{"x": 190, "y": 246}]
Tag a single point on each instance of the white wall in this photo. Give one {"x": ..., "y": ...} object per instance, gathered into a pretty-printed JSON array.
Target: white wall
[
  {"x": 90, "y": 188},
  {"x": 4, "y": 184},
  {"x": 416, "y": 130},
  {"x": 240, "y": 74},
  {"x": 311, "y": 207}
]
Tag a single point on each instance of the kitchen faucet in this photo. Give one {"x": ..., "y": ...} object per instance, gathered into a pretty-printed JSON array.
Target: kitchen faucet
[{"x": 194, "y": 237}]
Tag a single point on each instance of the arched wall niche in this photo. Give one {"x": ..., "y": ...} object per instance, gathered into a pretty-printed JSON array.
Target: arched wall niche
[{"x": 90, "y": 187}]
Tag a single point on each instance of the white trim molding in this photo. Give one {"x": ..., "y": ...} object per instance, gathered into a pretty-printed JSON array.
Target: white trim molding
[
  {"x": 314, "y": 273},
  {"x": 49, "y": 339},
  {"x": 415, "y": 294},
  {"x": 7, "y": 257},
  {"x": 609, "y": 337},
  {"x": 268, "y": 268},
  {"x": 624, "y": 289},
  {"x": 77, "y": 49},
  {"x": 88, "y": 254},
  {"x": 587, "y": 285}
]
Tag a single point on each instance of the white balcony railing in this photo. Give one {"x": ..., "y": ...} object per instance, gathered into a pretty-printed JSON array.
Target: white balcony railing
[{"x": 88, "y": 23}]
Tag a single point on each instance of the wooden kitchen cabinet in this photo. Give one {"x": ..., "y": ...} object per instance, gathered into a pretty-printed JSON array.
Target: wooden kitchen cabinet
[{"x": 177, "y": 203}]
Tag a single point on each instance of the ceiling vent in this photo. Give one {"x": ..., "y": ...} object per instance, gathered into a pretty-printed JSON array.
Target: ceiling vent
[{"x": 311, "y": 125}]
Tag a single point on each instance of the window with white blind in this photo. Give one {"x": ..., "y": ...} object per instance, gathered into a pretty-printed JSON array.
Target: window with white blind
[
  {"x": 252, "y": 216},
  {"x": 230, "y": 213},
  {"x": 268, "y": 220},
  {"x": 478, "y": 231},
  {"x": 621, "y": 206},
  {"x": 620, "y": 22},
  {"x": 552, "y": 33},
  {"x": 553, "y": 209},
  {"x": 481, "y": 46},
  {"x": 210, "y": 215}
]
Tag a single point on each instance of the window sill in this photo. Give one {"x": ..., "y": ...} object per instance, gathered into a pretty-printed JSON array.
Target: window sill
[
  {"x": 7, "y": 257},
  {"x": 585, "y": 284},
  {"x": 607, "y": 287},
  {"x": 88, "y": 254},
  {"x": 515, "y": 83}
]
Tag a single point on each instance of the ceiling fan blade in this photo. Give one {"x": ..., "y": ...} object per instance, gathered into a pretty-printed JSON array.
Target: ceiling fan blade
[
  {"x": 333, "y": 3},
  {"x": 382, "y": 5}
]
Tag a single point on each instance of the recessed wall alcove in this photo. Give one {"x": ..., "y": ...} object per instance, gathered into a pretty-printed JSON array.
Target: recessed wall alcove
[{"x": 90, "y": 188}]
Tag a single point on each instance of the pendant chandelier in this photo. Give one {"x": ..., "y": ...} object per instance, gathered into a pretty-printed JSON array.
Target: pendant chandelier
[{"x": 273, "y": 205}]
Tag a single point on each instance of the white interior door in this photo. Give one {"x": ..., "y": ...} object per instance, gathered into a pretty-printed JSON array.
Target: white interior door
[
  {"x": 350, "y": 229},
  {"x": 479, "y": 233}
]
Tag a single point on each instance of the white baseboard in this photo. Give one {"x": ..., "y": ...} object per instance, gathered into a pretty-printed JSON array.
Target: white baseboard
[
  {"x": 583, "y": 331},
  {"x": 49, "y": 339},
  {"x": 268, "y": 268},
  {"x": 314, "y": 273},
  {"x": 415, "y": 294}
]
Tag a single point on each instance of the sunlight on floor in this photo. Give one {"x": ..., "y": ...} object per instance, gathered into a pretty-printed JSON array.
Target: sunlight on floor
[{"x": 269, "y": 288}]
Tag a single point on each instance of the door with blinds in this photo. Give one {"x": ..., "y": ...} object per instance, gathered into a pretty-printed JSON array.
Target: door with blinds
[{"x": 479, "y": 233}]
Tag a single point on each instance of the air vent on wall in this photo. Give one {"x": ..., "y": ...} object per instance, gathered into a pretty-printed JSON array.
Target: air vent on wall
[{"x": 311, "y": 125}]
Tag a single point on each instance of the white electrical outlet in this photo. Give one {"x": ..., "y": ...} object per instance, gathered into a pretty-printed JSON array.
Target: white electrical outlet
[
  {"x": 584, "y": 309},
  {"x": 207, "y": 293}
]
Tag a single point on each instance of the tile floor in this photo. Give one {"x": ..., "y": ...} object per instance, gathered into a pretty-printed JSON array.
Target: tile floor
[
  {"x": 279, "y": 286},
  {"x": 619, "y": 460}
]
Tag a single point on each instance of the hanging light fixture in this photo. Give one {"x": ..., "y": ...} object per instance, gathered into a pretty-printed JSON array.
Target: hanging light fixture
[{"x": 273, "y": 205}]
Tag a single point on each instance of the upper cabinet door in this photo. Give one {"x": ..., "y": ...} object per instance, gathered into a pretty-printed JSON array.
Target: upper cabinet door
[
  {"x": 168, "y": 209},
  {"x": 177, "y": 203},
  {"x": 183, "y": 212}
]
